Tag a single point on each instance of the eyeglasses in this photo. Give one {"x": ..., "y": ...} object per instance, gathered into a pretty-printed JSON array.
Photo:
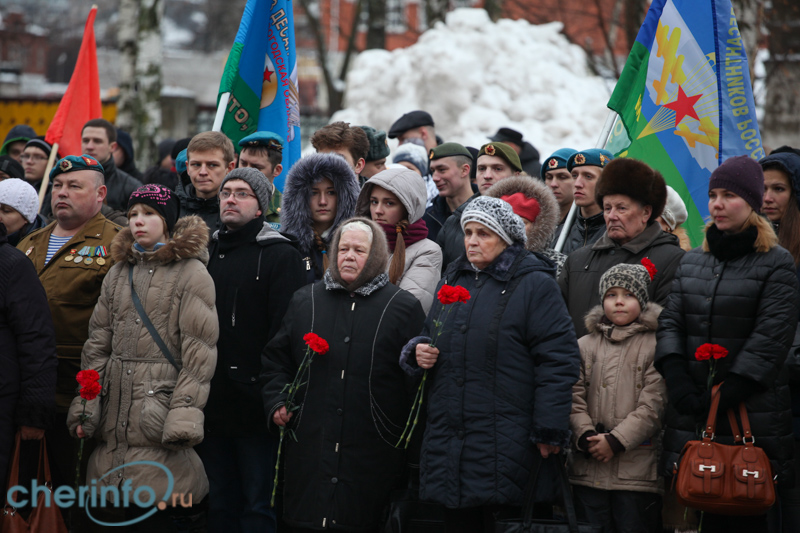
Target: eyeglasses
[
  {"x": 239, "y": 195},
  {"x": 34, "y": 157}
]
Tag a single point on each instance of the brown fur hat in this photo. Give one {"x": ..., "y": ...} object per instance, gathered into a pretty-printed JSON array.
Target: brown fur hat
[{"x": 636, "y": 180}]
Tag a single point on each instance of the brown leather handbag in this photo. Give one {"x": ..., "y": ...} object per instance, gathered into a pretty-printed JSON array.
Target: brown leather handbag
[
  {"x": 725, "y": 479},
  {"x": 43, "y": 517}
]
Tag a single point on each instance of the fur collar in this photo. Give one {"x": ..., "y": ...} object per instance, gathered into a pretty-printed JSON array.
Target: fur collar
[
  {"x": 295, "y": 214},
  {"x": 189, "y": 240},
  {"x": 541, "y": 232},
  {"x": 596, "y": 322},
  {"x": 364, "y": 290}
]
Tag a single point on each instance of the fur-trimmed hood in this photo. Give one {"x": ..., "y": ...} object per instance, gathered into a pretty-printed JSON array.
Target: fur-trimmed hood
[
  {"x": 541, "y": 231},
  {"x": 189, "y": 240},
  {"x": 295, "y": 213},
  {"x": 407, "y": 185},
  {"x": 374, "y": 268},
  {"x": 596, "y": 322}
]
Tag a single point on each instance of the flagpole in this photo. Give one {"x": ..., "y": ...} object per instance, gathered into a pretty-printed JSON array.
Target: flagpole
[
  {"x": 223, "y": 104},
  {"x": 46, "y": 179},
  {"x": 601, "y": 142}
]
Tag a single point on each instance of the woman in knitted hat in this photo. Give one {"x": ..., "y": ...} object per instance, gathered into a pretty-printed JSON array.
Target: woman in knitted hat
[
  {"x": 19, "y": 209},
  {"x": 499, "y": 385},
  {"x": 536, "y": 205},
  {"x": 395, "y": 199},
  {"x": 739, "y": 291},
  {"x": 343, "y": 462},
  {"x": 320, "y": 193},
  {"x": 155, "y": 383}
]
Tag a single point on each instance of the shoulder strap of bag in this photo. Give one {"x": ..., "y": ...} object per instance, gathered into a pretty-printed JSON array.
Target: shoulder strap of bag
[
  {"x": 711, "y": 422},
  {"x": 137, "y": 303},
  {"x": 566, "y": 492}
]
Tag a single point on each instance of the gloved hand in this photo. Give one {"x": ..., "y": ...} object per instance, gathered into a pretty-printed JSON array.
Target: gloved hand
[
  {"x": 683, "y": 393},
  {"x": 736, "y": 389}
]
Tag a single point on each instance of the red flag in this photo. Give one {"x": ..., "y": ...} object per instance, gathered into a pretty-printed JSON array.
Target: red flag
[{"x": 81, "y": 102}]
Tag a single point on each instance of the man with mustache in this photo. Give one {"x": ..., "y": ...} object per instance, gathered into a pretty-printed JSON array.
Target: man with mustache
[
  {"x": 71, "y": 258},
  {"x": 255, "y": 270}
]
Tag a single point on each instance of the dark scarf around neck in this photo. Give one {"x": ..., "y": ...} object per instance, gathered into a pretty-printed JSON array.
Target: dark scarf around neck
[
  {"x": 411, "y": 232},
  {"x": 726, "y": 247}
]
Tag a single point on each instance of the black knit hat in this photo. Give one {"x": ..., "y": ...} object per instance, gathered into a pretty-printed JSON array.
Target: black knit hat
[
  {"x": 159, "y": 198},
  {"x": 743, "y": 176}
]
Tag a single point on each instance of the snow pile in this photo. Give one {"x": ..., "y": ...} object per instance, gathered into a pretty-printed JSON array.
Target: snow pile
[{"x": 475, "y": 76}]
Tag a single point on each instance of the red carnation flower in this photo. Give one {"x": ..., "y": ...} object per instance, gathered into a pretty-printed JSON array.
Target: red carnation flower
[
  {"x": 85, "y": 377},
  {"x": 651, "y": 268},
  {"x": 703, "y": 353},
  {"x": 718, "y": 352},
  {"x": 463, "y": 294},
  {"x": 450, "y": 294},
  {"x": 90, "y": 390},
  {"x": 316, "y": 343}
]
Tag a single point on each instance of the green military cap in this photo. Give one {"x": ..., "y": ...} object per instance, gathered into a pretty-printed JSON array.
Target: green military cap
[
  {"x": 378, "y": 146},
  {"x": 448, "y": 150},
  {"x": 503, "y": 151},
  {"x": 72, "y": 163}
]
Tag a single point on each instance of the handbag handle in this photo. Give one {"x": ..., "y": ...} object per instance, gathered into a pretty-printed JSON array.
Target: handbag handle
[
  {"x": 43, "y": 468},
  {"x": 711, "y": 422},
  {"x": 566, "y": 492}
]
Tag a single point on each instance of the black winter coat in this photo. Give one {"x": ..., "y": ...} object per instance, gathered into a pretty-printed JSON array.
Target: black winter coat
[
  {"x": 256, "y": 270},
  {"x": 580, "y": 276},
  {"x": 120, "y": 185},
  {"x": 27, "y": 351},
  {"x": 583, "y": 232},
  {"x": 435, "y": 216},
  {"x": 503, "y": 381},
  {"x": 451, "y": 236},
  {"x": 341, "y": 468},
  {"x": 748, "y": 305},
  {"x": 191, "y": 204}
]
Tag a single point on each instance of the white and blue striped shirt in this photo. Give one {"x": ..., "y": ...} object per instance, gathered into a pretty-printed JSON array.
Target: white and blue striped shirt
[{"x": 55, "y": 244}]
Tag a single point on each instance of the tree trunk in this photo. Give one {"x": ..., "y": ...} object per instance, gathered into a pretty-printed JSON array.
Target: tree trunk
[
  {"x": 781, "y": 124},
  {"x": 376, "y": 24},
  {"x": 139, "y": 107},
  {"x": 494, "y": 8}
]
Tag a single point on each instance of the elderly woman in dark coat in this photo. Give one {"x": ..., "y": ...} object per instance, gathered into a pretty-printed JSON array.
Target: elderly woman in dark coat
[
  {"x": 739, "y": 291},
  {"x": 501, "y": 374},
  {"x": 344, "y": 462}
]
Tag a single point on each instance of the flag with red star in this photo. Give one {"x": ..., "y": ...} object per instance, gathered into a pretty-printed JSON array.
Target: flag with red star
[{"x": 684, "y": 99}]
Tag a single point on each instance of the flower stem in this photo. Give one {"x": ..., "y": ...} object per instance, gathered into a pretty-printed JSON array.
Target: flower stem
[
  {"x": 82, "y": 418},
  {"x": 418, "y": 408},
  {"x": 413, "y": 411},
  {"x": 277, "y": 468}
]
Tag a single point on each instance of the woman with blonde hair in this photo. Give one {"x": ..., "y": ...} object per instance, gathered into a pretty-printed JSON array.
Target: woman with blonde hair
[{"x": 738, "y": 291}]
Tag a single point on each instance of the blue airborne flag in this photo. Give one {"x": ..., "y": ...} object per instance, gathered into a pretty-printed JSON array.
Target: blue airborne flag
[{"x": 261, "y": 77}]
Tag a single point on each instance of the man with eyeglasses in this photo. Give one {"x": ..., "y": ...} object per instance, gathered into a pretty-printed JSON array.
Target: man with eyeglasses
[
  {"x": 255, "y": 270},
  {"x": 263, "y": 151},
  {"x": 34, "y": 160}
]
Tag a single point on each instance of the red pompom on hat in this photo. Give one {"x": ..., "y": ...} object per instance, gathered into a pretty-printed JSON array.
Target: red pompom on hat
[{"x": 527, "y": 208}]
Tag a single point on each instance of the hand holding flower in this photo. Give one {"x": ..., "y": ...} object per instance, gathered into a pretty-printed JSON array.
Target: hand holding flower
[
  {"x": 281, "y": 417},
  {"x": 427, "y": 355}
]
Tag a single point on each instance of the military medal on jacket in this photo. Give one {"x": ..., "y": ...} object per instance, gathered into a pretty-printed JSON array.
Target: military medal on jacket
[
  {"x": 71, "y": 255},
  {"x": 100, "y": 252}
]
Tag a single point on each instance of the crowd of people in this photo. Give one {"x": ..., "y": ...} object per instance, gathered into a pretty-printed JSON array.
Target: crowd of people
[{"x": 190, "y": 289}]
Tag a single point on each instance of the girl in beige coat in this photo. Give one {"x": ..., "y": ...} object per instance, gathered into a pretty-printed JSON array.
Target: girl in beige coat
[
  {"x": 617, "y": 408},
  {"x": 148, "y": 409}
]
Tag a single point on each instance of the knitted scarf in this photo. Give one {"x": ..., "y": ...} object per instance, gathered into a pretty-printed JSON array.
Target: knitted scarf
[{"x": 411, "y": 232}]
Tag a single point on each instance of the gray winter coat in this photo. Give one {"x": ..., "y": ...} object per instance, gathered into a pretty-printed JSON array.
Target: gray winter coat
[{"x": 423, "y": 262}]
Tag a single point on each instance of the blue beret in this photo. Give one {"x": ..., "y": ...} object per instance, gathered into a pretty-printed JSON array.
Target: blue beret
[
  {"x": 73, "y": 163},
  {"x": 180, "y": 162},
  {"x": 557, "y": 159},
  {"x": 593, "y": 157},
  {"x": 263, "y": 138}
]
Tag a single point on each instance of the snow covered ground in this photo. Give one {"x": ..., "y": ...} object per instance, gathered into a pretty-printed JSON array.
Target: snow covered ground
[{"x": 475, "y": 76}]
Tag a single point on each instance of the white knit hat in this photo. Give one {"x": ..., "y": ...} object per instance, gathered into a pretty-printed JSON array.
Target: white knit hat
[
  {"x": 675, "y": 211},
  {"x": 20, "y": 195},
  {"x": 496, "y": 215}
]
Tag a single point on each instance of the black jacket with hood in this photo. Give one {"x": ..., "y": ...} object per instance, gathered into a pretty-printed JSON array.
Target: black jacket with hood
[
  {"x": 296, "y": 218},
  {"x": 256, "y": 270},
  {"x": 191, "y": 204},
  {"x": 119, "y": 184},
  {"x": 583, "y": 232}
]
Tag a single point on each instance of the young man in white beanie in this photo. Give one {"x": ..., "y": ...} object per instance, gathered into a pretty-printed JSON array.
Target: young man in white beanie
[{"x": 19, "y": 209}]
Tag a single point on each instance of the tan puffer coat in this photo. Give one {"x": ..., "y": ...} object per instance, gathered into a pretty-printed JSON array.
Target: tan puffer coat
[
  {"x": 620, "y": 388},
  {"x": 147, "y": 410}
]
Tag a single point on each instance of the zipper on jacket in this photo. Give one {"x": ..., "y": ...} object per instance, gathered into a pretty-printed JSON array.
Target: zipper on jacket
[{"x": 233, "y": 313}]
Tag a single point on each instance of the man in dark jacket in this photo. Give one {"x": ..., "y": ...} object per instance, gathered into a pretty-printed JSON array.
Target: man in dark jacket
[
  {"x": 589, "y": 224},
  {"x": 209, "y": 158},
  {"x": 528, "y": 154},
  {"x": 450, "y": 165},
  {"x": 124, "y": 155},
  {"x": 99, "y": 139},
  {"x": 263, "y": 151},
  {"x": 27, "y": 354},
  {"x": 15, "y": 141},
  {"x": 633, "y": 195},
  {"x": 255, "y": 270}
]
